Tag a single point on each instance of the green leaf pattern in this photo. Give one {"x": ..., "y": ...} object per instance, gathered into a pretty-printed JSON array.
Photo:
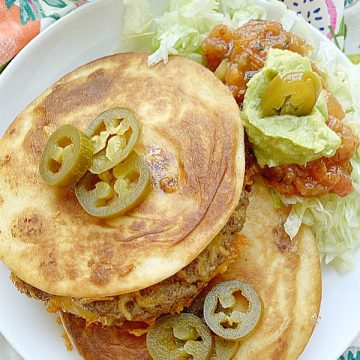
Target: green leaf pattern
[
  {"x": 55, "y": 3},
  {"x": 31, "y": 10},
  {"x": 348, "y": 3},
  {"x": 351, "y": 354},
  {"x": 9, "y": 3}
]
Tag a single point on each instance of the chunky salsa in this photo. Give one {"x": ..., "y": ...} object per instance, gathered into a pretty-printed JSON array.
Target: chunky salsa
[
  {"x": 246, "y": 49},
  {"x": 241, "y": 53}
]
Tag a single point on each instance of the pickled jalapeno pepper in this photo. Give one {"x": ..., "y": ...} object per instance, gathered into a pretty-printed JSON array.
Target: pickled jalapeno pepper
[
  {"x": 223, "y": 349},
  {"x": 66, "y": 157},
  {"x": 114, "y": 192},
  {"x": 294, "y": 93},
  {"x": 179, "y": 337},
  {"x": 114, "y": 134},
  {"x": 221, "y": 313}
]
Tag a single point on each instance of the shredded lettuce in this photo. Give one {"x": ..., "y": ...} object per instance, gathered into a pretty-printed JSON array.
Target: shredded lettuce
[
  {"x": 335, "y": 223},
  {"x": 185, "y": 25},
  {"x": 138, "y": 27}
]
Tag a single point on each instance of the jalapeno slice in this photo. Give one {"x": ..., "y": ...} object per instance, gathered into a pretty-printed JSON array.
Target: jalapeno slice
[
  {"x": 223, "y": 349},
  {"x": 179, "y": 337},
  {"x": 221, "y": 313},
  {"x": 66, "y": 157},
  {"x": 114, "y": 134},
  {"x": 117, "y": 191},
  {"x": 294, "y": 93}
]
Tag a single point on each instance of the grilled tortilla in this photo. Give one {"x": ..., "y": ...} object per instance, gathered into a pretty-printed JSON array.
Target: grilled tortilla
[
  {"x": 191, "y": 132},
  {"x": 287, "y": 276},
  {"x": 285, "y": 273}
]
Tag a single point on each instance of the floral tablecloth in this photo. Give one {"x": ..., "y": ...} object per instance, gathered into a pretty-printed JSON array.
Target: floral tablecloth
[{"x": 22, "y": 20}]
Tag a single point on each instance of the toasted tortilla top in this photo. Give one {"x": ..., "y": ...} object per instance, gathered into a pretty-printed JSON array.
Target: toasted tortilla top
[{"x": 191, "y": 133}]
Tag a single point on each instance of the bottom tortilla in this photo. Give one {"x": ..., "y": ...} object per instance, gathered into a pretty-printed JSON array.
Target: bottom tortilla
[
  {"x": 99, "y": 342},
  {"x": 285, "y": 273},
  {"x": 287, "y": 276}
]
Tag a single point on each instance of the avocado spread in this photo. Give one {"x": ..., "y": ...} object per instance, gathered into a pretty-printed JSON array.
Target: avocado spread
[{"x": 285, "y": 138}]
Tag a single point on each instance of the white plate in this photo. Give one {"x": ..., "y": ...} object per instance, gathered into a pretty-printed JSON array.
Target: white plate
[{"x": 91, "y": 32}]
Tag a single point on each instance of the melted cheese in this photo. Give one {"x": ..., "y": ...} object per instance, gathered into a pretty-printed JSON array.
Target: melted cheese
[{"x": 66, "y": 304}]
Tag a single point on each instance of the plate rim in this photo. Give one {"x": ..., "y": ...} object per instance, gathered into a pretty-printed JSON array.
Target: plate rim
[
  {"x": 7, "y": 72},
  {"x": 70, "y": 17}
]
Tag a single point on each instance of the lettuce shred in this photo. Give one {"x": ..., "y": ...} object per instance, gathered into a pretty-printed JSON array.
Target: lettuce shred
[
  {"x": 138, "y": 26},
  {"x": 185, "y": 25}
]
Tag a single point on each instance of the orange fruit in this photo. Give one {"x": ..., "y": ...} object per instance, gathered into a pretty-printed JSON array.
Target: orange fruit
[{"x": 13, "y": 35}]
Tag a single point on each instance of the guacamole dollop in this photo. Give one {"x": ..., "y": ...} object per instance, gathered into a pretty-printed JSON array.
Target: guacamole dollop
[{"x": 286, "y": 139}]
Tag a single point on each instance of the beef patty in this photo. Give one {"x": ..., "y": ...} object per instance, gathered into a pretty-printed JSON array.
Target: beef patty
[{"x": 169, "y": 296}]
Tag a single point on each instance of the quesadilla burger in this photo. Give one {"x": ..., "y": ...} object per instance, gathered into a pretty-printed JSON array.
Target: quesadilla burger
[
  {"x": 127, "y": 218},
  {"x": 190, "y": 141}
]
